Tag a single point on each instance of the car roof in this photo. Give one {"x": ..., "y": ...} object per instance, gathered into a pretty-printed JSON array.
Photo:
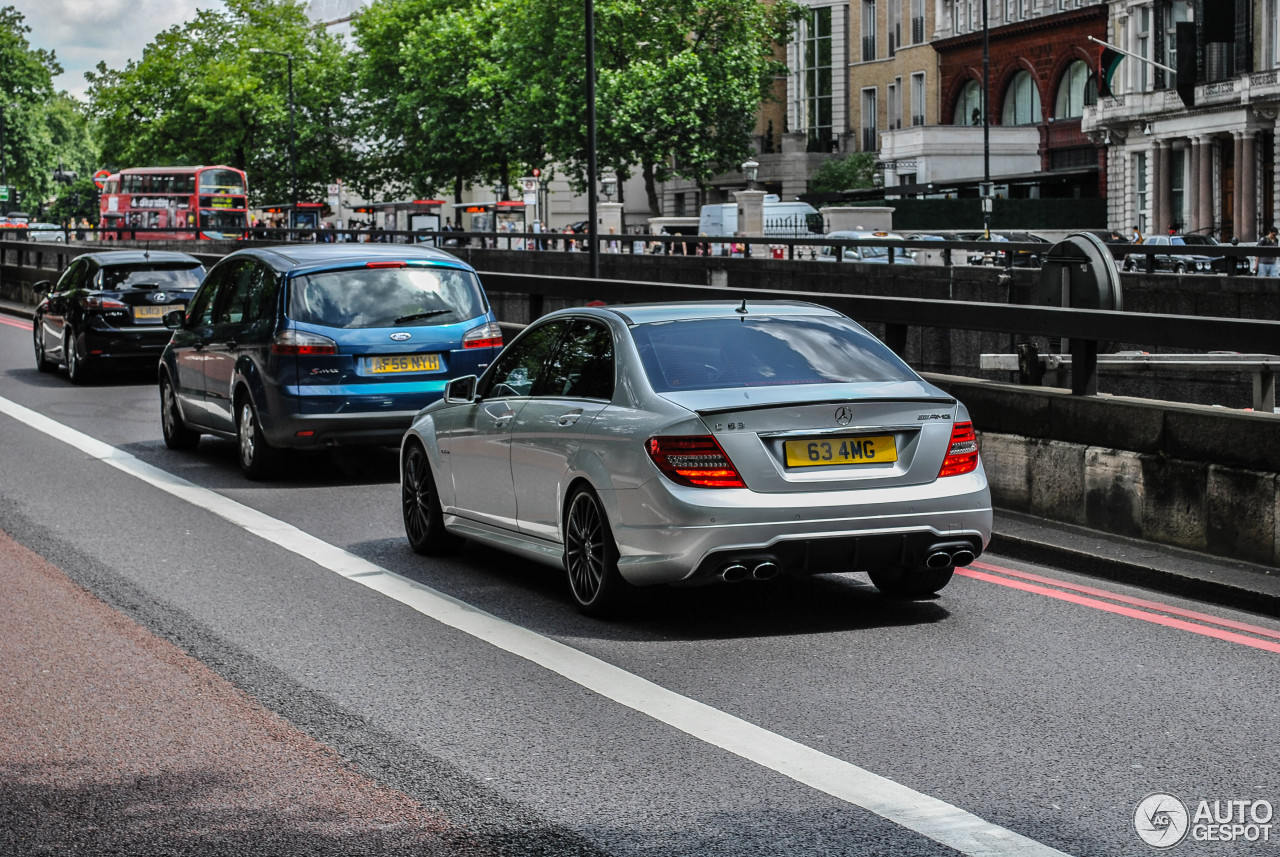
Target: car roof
[
  {"x": 322, "y": 255},
  {"x": 647, "y": 313},
  {"x": 862, "y": 234},
  {"x": 107, "y": 258}
]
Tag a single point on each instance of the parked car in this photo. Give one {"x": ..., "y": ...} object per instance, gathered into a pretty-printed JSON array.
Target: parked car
[
  {"x": 46, "y": 232},
  {"x": 874, "y": 254},
  {"x": 106, "y": 310},
  {"x": 310, "y": 346},
  {"x": 1186, "y": 260},
  {"x": 1219, "y": 264},
  {"x": 1023, "y": 258},
  {"x": 696, "y": 443}
]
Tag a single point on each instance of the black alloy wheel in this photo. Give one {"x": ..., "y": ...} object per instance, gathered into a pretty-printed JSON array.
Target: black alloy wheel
[
  {"x": 420, "y": 505},
  {"x": 258, "y": 458},
  {"x": 43, "y": 363},
  {"x": 908, "y": 583},
  {"x": 591, "y": 557},
  {"x": 77, "y": 371},
  {"x": 177, "y": 434}
]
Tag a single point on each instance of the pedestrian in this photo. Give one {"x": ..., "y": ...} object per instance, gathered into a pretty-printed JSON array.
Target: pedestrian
[
  {"x": 612, "y": 245},
  {"x": 1116, "y": 238},
  {"x": 1135, "y": 236},
  {"x": 1266, "y": 265},
  {"x": 1173, "y": 230}
]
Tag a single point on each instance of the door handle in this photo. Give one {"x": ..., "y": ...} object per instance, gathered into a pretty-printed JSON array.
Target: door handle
[{"x": 568, "y": 419}]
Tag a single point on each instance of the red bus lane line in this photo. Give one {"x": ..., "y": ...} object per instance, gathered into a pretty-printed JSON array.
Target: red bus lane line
[
  {"x": 1154, "y": 618},
  {"x": 1136, "y": 602},
  {"x": 13, "y": 322}
]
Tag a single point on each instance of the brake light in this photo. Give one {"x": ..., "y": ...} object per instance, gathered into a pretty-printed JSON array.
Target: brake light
[
  {"x": 100, "y": 302},
  {"x": 386, "y": 264},
  {"x": 695, "y": 460},
  {"x": 487, "y": 335},
  {"x": 962, "y": 453},
  {"x": 302, "y": 343}
]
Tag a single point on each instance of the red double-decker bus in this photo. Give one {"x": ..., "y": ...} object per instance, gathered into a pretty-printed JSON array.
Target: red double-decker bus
[{"x": 175, "y": 203}]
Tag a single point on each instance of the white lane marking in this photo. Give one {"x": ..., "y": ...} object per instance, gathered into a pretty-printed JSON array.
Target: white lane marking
[{"x": 926, "y": 815}]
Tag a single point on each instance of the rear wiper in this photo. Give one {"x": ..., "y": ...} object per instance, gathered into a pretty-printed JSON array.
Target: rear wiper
[{"x": 417, "y": 315}]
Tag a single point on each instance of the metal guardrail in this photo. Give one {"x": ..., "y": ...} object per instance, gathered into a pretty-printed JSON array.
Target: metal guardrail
[{"x": 1085, "y": 329}]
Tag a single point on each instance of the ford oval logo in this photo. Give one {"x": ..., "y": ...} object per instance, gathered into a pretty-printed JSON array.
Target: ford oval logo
[{"x": 401, "y": 336}]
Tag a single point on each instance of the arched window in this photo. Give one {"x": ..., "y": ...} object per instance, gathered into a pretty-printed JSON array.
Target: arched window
[
  {"x": 1075, "y": 91},
  {"x": 1021, "y": 101},
  {"x": 969, "y": 105}
]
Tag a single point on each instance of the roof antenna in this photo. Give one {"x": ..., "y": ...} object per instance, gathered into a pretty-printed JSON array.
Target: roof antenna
[{"x": 742, "y": 309}]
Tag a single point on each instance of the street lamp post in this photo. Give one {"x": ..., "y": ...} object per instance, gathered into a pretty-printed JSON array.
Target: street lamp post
[
  {"x": 293, "y": 158},
  {"x": 592, "y": 243},
  {"x": 986, "y": 123}
]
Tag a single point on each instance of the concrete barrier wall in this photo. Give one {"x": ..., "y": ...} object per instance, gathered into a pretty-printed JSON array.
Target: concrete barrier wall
[{"x": 1192, "y": 476}]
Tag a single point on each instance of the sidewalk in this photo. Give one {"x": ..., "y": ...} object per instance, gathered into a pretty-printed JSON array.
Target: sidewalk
[{"x": 1229, "y": 582}]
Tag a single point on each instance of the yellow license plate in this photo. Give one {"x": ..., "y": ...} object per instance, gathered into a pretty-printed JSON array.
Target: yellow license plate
[
  {"x": 817, "y": 452},
  {"x": 404, "y": 363},
  {"x": 153, "y": 313}
]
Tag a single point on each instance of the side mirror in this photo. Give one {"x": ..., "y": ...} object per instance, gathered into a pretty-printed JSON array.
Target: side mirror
[
  {"x": 42, "y": 288},
  {"x": 461, "y": 391},
  {"x": 175, "y": 318}
]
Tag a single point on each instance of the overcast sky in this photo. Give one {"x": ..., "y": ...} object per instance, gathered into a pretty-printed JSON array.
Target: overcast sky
[{"x": 84, "y": 32}]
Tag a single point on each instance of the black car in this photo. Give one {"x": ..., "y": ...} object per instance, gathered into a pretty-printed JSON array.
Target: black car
[
  {"x": 1219, "y": 264},
  {"x": 107, "y": 310}
]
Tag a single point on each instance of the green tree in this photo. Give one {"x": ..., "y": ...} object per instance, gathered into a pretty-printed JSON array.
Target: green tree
[
  {"x": 26, "y": 86},
  {"x": 848, "y": 173},
  {"x": 679, "y": 82},
  {"x": 200, "y": 96},
  {"x": 441, "y": 106}
]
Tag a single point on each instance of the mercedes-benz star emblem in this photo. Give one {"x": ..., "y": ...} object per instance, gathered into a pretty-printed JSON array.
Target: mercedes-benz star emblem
[{"x": 844, "y": 415}]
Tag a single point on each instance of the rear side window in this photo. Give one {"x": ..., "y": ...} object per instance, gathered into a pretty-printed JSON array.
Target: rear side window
[
  {"x": 710, "y": 354},
  {"x": 386, "y": 297}
]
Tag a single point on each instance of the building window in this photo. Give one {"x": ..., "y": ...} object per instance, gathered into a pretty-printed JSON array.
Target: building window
[
  {"x": 917, "y": 22},
  {"x": 1175, "y": 12},
  {"x": 1177, "y": 185},
  {"x": 1271, "y": 35},
  {"x": 868, "y": 30},
  {"x": 1140, "y": 190},
  {"x": 894, "y": 10},
  {"x": 1075, "y": 91},
  {"x": 870, "y": 135},
  {"x": 895, "y": 105},
  {"x": 969, "y": 105},
  {"x": 818, "y": 82},
  {"x": 1021, "y": 101},
  {"x": 917, "y": 98},
  {"x": 1142, "y": 47},
  {"x": 1011, "y": 10}
]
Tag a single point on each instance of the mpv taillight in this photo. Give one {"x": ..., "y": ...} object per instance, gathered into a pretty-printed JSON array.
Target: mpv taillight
[
  {"x": 302, "y": 343},
  {"x": 695, "y": 460},
  {"x": 100, "y": 302},
  {"x": 487, "y": 335},
  {"x": 962, "y": 452}
]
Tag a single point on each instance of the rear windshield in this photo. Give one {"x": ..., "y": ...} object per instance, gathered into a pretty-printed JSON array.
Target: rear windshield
[
  {"x": 180, "y": 275},
  {"x": 711, "y": 354},
  {"x": 386, "y": 297}
]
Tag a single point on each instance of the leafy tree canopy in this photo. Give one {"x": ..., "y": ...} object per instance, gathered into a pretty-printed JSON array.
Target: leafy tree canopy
[
  {"x": 200, "y": 95},
  {"x": 848, "y": 173}
]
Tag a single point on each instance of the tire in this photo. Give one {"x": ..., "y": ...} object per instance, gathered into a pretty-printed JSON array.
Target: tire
[
  {"x": 420, "y": 505},
  {"x": 77, "y": 371},
  {"x": 177, "y": 434},
  {"x": 258, "y": 459},
  {"x": 911, "y": 583},
  {"x": 591, "y": 557},
  {"x": 43, "y": 363},
  {"x": 1179, "y": 268}
]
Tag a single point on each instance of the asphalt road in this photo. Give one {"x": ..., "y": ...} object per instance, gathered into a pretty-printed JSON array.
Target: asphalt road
[{"x": 1024, "y": 711}]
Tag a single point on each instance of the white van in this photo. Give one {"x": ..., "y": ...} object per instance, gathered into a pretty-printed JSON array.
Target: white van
[{"x": 781, "y": 219}]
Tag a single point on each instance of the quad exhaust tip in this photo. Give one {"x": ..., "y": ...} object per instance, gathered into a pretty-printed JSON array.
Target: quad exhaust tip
[
  {"x": 734, "y": 573},
  {"x": 946, "y": 557},
  {"x": 765, "y": 571}
]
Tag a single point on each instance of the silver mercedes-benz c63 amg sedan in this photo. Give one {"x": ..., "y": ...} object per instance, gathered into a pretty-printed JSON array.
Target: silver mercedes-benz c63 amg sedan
[{"x": 698, "y": 442}]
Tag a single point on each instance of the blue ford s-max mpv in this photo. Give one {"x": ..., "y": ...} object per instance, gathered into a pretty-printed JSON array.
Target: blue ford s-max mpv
[{"x": 318, "y": 345}]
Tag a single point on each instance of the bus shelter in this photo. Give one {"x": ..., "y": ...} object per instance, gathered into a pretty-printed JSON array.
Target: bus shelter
[
  {"x": 413, "y": 215},
  {"x": 497, "y": 217}
]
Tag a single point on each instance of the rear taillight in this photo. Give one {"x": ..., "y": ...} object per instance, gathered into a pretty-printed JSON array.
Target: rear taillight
[
  {"x": 962, "y": 453},
  {"x": 101, "y": 302},
  {"x": 695, "y": 460},
  {"x": 487, "y": 335},
  {"x": 388, "y": 264},
  {"x": 302, "y": 343}
]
